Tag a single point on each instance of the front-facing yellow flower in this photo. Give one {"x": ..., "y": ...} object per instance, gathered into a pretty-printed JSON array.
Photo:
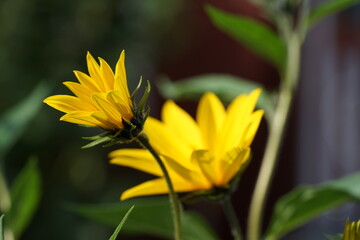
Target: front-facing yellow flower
[
  {"x": 102, "y": 99},
  {"x": 200, "y": 155}
]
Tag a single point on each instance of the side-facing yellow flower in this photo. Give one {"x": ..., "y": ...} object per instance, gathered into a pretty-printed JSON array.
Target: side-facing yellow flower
[
  {"x": 101, "y": 98},
  {"x": 201, "y": 154},
  {"x": 351, "y": 230}
]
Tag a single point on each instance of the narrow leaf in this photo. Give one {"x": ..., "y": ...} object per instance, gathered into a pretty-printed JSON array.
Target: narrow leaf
[
  {"x": 14, "y": 121},
  {"x": 327, "y": 8},
  {"x": 121, "y": 224},
  {"x": 334, "y": 237},
  {"x": 152, "y": 217},
  {"x": 25, "y": 197},
  {"x": 226, "y": 87},
  {"x": 2, "y": 227},
  {"x": 307, "y": 202},
  {"x": 252, "y": 34}
]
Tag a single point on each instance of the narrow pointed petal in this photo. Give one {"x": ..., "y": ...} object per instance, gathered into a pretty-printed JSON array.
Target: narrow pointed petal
[
  {"x": 182, "y": 124},
  {"x": 120, "y": 81},
  {"x": 80, "y": 91},
  {"x": 105, "y": 121},
  {"x": 155, "y": 187},
  {"x": 253, "y": 127},
  {"x": 117, "y": 100},
  {"x": 236, "y": 122},
  {"x": 87, "y": 81},
  {"x": 66, "y": 103},
  {"x": 94, "y": 71},
  {"x": 107, "y": 108},
  {"x": 81, "y": 117},
  {"x": 139, "y": 159},
  {"x": 210, "y": 116},
  {"x": 206, "y": 161},
  {"x": 107, "y": 75}
]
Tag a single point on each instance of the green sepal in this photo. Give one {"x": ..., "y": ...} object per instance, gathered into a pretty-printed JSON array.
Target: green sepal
[
  {"x": 140, "y": 107},
  {"x": 133, "y": 95},
  {"x": 98, "y": 141}
]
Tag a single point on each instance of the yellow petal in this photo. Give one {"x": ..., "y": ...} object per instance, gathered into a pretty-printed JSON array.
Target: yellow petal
[
  {"x": 232, "y": 162},
  {"x": 139, "y": 159},
  {"x": 81, "y": 117},
  {"x": 120, "y": 82},
  {"x": 87, "y": 81},
  {"x": 164, "y": 141},
  {"x": 66, "y": 103},
  {"x": 117, "y": 100},
  {"x": 182, "y": 124},
  {"x": 94, "y": 71},
  {"x": 102, "y": 103},
  {"x": 155, "y": 187},
  {"x": 253, "y": 127},
  {"x": 206, "y": 161},
  {"x": 80, "y": 91},
  {"x": 236, "y": 121},
  {"x": 107, "y": 75},
  {"x": 210, "y": 116},
  {"x": 105, "y": 122}
]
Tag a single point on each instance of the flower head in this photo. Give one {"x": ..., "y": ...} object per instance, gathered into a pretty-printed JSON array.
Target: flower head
[
  {"x": 102, "y": 99},
  {"x": 351, "y": 230},
  {"x": 200, "y": 155}
]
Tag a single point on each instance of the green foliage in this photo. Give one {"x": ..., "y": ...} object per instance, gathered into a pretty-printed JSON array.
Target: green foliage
[
  {"x": 1, "y": 227},
  {"x": 227, "y": 87},
  {"x": 327, "y": 8},
  {"x": 152, "y": 216},
  {"x": 25, "y": 195},
  {"x": 334, "y": 237},
  {"x": 14, "y": 122},
  {"x": 252, "y": 34},
  {"x": 307, "y": 202},
  {"x": 121, "y": 224}
]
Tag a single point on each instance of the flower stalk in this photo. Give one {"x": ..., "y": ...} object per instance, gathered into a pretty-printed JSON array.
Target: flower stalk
[
  {"x": 174, "y": 201},
  {"x": 276, "y": 132},
  {"x": 231, "y": 217}
]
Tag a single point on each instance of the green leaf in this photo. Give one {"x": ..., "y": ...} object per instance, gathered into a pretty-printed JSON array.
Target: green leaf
[
  {"x": 307, "y": 202},
  {"x": 14, "y": 121},
  {"x": 1, "y": 227},
  {"x": 152, "y": 216},
  {"x": 121, "y": 224},
  {"x": 25, "y": 196},
  {"x": 327, "y": 8},
  {"x": 226, "y": 87},
  {"x": 334, "y": 237},
  {"x": 252, "y": 34}
]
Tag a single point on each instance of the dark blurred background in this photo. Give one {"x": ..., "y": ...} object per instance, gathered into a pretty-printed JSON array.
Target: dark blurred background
[{"x": 45, "y": 40}]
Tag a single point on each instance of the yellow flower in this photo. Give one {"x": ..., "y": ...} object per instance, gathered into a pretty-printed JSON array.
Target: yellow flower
[
  {"x": 199, "y": 155},
  {"x": 352, "y": 230},
  {"x": 101, "y": 98}
]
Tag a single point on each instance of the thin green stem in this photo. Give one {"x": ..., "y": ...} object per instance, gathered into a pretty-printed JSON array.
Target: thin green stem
[
  {"x": 5, "y": 202},
  {"x": 174, "y": 201},
  {"x": 276, "y": 132},
  {"x": 231, "y": 217}
]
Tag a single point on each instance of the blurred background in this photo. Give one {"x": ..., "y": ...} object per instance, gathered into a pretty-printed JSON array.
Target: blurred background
[{"x": 43, "y": 41}]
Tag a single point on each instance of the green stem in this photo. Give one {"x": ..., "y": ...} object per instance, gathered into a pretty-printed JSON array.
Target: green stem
[
  {"x": 231, "y": 217},
  {"x": 174, "y": 201},
  {"x": 276, "y": 132},
  {"x": 5, "y": 202}
]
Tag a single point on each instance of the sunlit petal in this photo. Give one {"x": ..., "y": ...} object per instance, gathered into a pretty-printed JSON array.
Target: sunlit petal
[{"x": 182, "y": 124}]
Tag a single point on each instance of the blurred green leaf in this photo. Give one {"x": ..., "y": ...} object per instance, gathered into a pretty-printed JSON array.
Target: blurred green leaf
[
  {"x": 1, "y": 227},
  {"x": 121, "y": 224},
  {"x": 226, "y": 87},
  {"x": 252, "y": 34},
  {"x": 25, "y": 196},
  {"x": 307, "y": 202},
  {"x": 152, "y": 216},
  {"x": 327, "y": 8},
  {"x": 334, "y": 237},
  {"x": 14, "y": 121}
]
